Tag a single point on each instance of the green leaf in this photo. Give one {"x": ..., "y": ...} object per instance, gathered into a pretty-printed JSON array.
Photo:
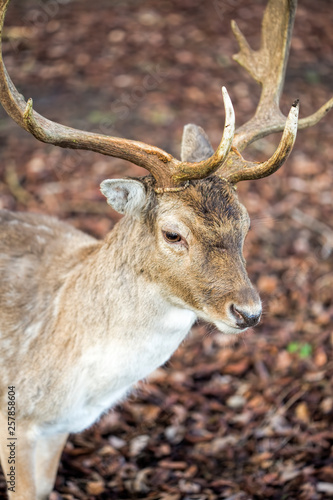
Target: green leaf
[
  {"x": 305, "y": 351},
  {"x": 293, "y": 347}
]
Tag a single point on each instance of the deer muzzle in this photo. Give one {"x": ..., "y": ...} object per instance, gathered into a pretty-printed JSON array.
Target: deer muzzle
[{"x": 244, "y": 310}]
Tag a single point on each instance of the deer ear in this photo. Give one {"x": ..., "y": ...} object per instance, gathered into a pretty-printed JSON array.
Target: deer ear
[
  {"x": 124, "y": 195},
  {"x": 195, "y": 144}
]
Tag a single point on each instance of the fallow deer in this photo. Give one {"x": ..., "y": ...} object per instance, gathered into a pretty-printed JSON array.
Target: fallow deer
[{"x": 82, "y": 320}]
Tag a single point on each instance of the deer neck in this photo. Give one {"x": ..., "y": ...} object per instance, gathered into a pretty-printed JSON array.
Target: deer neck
[
  {"x": 114, "y": 292},
  {"x": 135, "y": 328}
]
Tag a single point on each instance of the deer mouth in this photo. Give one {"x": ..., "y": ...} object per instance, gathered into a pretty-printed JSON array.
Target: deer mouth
[{"x": 229, "y": 329}]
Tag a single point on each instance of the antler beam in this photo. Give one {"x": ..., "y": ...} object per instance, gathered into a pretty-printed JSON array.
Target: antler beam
[
  {"x": 268, "y": 66},
  {"x": 168, "y": 172}
]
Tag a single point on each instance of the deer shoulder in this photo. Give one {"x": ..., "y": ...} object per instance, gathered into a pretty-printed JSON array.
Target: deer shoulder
[{"x": 37, "y": 255}]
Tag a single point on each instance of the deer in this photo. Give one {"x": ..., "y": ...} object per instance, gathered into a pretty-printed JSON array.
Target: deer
[{"x": 82, "y": 320}]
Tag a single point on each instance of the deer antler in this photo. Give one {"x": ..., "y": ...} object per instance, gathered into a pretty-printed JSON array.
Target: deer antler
[
  {"x": 169, "y": 173},
  {"x": 267, "y": 66}
]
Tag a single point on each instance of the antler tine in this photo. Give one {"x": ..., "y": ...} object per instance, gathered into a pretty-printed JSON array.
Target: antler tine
[
  {"x": 169, "y": 173},
  {"x": 267, "y": 66},
  {"x": 196, "y": 170},
  {"x": 236, "y": 169}
]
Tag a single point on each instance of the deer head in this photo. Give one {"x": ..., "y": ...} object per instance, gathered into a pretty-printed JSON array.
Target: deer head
[{"x": 188, "y": 209}]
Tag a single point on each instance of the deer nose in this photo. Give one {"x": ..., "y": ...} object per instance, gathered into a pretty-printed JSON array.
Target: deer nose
[{"x": 244, "y": 319}]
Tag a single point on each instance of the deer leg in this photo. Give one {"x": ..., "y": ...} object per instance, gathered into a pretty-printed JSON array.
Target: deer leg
[
  {"x": 17, "y": 460},
  {"x": 48, "y": 452}
]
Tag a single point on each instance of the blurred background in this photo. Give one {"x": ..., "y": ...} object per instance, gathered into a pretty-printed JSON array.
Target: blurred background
[{"x": 252, "y": 419}]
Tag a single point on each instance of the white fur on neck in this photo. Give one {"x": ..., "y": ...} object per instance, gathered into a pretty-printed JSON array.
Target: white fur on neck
[{"x": 115, "y": 366}]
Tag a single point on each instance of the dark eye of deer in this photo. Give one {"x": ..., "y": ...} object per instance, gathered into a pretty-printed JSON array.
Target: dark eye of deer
[{"x": 171, "y": 237}]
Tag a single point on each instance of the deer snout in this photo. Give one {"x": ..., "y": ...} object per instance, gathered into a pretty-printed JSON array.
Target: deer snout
[
  {"x": 244, "y": 319},
  {"x": 246, "y": 310}
]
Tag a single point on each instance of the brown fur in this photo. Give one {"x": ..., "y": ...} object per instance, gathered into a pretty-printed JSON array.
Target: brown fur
[
  {"x": 218, "y": 224},
  {"x": 68, "y": 302}
]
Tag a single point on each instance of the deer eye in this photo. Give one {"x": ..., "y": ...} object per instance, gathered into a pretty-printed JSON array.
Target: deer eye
[{"x": 172, "y": 237}]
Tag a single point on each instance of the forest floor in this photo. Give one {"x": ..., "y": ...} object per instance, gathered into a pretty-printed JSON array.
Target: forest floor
[{"x": 247, "y": 420}]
